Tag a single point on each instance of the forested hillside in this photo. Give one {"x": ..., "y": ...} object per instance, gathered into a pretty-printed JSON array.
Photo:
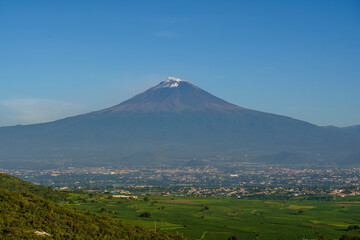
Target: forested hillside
[
  {"x": 16, "y": 184},
  {"x": 24, "y": 215}
]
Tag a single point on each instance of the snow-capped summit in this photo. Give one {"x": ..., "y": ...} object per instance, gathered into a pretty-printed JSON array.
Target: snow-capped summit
[
  {"x": 171, "y": 82},
  {"x": 174, "y": 79},
  {"x": 173, "y": 95}
]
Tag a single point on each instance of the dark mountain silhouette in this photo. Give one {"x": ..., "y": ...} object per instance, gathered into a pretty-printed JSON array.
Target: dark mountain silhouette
[
  {"x": 169, "y": 123},
  {"x": 354, "y": 129}
]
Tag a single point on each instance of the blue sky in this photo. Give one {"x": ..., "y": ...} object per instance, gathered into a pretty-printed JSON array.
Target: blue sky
[{"x": 295, "y": 58}]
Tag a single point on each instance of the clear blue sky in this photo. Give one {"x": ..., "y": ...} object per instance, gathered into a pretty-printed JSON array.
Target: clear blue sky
[{"x": 295, "y": 58}]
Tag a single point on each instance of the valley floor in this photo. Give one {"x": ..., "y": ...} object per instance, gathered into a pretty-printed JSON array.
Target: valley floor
[{"x": 214, "y": 218}]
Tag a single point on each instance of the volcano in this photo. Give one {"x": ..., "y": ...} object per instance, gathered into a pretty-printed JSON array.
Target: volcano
[
  {"x": 174, "y": 95},
  {"x": 171, "y": 123}
]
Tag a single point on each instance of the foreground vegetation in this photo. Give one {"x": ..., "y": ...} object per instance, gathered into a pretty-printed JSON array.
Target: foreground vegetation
[
  {"x": 24, "y": 215},
  {"x": 232, "y": 218},
  {"x": 11, "y": 183}
]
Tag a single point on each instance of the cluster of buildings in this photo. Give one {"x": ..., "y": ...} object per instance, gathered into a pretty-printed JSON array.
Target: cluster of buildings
[{"x": 199, "y": 180}]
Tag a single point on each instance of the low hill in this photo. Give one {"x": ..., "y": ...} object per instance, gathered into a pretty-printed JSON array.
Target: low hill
[
  {"x": 12, "y": 183},
  {"x": 24, "y": 215},
  {"x": 27, "y": 216}
]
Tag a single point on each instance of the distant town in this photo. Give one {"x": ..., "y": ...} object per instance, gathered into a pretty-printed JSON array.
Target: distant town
[{"x": 200, "y": 181}]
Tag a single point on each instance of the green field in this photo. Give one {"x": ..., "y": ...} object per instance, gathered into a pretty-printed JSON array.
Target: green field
[{"x": 223, "y": 218}]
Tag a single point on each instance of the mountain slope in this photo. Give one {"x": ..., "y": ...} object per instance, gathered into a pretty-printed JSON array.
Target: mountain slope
[
  {"x": 173, "y": 95},
  {"x": 354, "y": 129},
  {"x": 173, "y": 120}
]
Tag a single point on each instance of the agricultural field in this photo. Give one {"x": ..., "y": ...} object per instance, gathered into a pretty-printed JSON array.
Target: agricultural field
[{"x": 210, "y": 218}]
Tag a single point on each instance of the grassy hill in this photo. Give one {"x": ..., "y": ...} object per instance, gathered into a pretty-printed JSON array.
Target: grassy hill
[
  {"x": 16, "y": 184},
  {"x": 24, "y": 215}
]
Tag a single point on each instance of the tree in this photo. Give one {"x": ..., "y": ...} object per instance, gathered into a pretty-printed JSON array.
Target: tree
[
  {"x": 146, "y": 214},
  {"x": 233, "y": 238},
  {"x": 353, "y": 227}
]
